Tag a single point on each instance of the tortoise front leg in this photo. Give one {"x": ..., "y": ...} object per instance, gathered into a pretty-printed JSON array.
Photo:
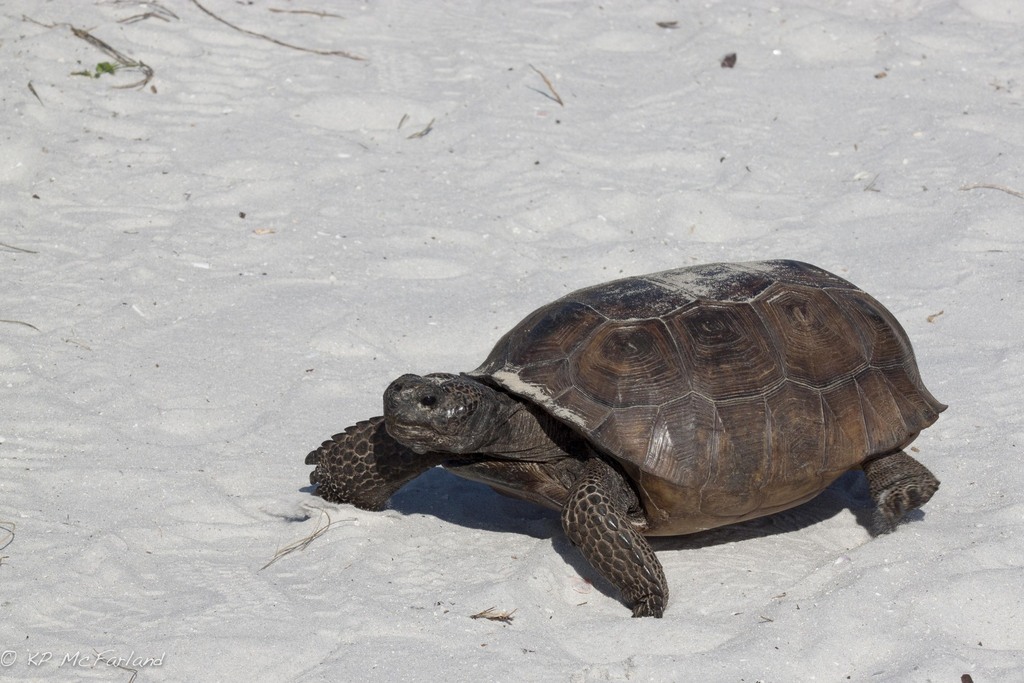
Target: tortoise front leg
[
  {"x": 364, "y": 466},
  {"x": 898, "y": 484},
  {"x": 596, "y": 519}
]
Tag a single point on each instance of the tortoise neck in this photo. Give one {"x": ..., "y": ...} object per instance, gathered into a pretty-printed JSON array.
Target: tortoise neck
[{"x": 526, "y": 432}]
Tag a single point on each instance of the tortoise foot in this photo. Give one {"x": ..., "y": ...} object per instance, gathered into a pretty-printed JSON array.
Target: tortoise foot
[{"x": 898, "y": 485}]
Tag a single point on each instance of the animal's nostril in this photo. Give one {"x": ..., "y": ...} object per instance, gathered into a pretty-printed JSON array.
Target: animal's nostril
[{"x": 428, "y": 401}]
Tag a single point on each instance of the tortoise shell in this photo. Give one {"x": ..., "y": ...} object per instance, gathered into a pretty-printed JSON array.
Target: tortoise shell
[{"x": 724, "y": 391}]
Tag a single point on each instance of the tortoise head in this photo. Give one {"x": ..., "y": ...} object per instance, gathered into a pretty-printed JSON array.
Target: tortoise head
[{"x": 441, "y": 412}]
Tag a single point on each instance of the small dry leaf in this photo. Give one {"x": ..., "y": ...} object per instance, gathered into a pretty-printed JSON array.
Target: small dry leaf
[
  {"x": 881, "y": 74},
  {"x": 492, "y": 614},
  {"x": 729, "y": 61},
  {"x": 668, "y": 24},
  {"x": 933, "y": 316}
]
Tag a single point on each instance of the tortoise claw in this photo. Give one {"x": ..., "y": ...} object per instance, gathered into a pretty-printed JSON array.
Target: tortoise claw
[{"x": 649, "y": 606}]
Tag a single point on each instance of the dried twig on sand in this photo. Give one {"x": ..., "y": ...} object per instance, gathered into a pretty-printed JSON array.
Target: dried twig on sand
[
  {"x": 123, "y": 61},
  {"x": 329, "y": 53},
  {"x": 11, "y": 247},
  {"x": 32, "y": 89},
  {"x": 990, "y": 186},
  {"x": 554, "y": 93},
  {"x": 305, "y": 541},
  {"x": 315, "y": 13},
  {"x": 154, "y": 11},
  {"x": 21, "y": 322},
  {"x": 8, "y": 528},
  {"x": 422, "y": 133}
]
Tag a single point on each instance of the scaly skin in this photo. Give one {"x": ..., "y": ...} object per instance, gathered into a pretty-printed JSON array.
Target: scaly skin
[
  {"x": 364, "y": 466},
  {"x": 601, "y": 518},
  {"x": 898, "y": 484}
]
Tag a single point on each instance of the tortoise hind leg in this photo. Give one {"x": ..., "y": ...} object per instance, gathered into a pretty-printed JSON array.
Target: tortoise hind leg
[
  {"x": 596, "y": 519},
  {"x": 898, "y": 484}
]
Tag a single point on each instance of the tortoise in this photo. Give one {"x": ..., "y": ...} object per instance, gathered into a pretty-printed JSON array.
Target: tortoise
[{"x": 660, "y": 405}]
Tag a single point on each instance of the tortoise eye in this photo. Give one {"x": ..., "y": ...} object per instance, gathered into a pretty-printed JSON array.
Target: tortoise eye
[{"x": 428, "y": 401}]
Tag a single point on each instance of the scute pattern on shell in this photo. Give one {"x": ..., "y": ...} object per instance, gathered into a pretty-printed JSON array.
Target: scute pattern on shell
[{"x": 725, "y": 391}]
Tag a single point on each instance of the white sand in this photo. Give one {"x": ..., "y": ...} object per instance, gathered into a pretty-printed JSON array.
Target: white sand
[{"x": 179, "y": 360}]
